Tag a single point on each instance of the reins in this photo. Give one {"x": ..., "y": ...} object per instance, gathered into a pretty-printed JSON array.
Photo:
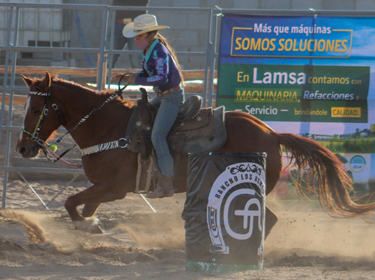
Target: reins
[{"x": 49, "y": 150}]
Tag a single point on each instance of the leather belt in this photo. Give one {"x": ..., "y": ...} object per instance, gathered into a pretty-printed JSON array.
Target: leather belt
[{"x": 168, "y": 91}]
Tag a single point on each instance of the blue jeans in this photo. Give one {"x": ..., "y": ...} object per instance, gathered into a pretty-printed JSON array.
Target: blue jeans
[{"x": 169, "y": 105}]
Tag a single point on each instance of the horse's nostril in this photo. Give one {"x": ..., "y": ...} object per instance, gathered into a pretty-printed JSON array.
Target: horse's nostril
[{"x": 22, "y": 150}]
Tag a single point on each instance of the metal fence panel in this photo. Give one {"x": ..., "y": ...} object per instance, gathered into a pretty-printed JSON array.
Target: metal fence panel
[{"x": 41, "y": 31}]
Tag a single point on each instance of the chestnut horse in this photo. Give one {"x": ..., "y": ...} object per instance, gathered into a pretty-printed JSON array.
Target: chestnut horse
[{"x": 113, "y": 172}]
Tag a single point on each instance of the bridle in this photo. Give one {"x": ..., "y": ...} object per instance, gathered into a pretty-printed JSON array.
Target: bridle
[
  {"x": 42, "y": 116},
  {"x": 48, "y": 148}
]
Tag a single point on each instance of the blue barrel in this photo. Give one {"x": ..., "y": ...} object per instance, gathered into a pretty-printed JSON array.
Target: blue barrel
[{"x": 224, "y": 212}]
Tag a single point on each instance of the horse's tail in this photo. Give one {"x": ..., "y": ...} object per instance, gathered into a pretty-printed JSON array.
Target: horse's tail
[{"x": 331, "y": 183}]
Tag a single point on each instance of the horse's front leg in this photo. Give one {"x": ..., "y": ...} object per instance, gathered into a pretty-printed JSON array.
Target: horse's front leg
[
  {"x": 92, "y": 198},
  {"x": 89, "y": 209}
]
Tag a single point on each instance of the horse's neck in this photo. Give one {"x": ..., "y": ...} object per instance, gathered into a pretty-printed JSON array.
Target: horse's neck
[
  {"x": 78, "y": 103},
  {"x": 90, "y": 128}
]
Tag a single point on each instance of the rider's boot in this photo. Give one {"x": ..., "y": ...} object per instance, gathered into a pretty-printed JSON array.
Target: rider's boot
[
  {"x": 164, "y": 187},
  {"x": 167, "y": 186},
  {"x": 157, "y": 193}
]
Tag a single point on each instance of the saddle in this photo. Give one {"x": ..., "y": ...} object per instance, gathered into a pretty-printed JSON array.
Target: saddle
[{"x": 195, "y": 130}]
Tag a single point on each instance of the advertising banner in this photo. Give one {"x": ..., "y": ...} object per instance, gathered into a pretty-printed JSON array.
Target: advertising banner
[{"x": 308, "y": 75}]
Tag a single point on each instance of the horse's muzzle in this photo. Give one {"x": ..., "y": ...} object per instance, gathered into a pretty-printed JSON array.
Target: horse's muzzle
[{"x": 29, "y": 150}]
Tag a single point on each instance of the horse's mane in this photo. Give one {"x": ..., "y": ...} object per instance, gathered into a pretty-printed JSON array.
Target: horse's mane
[{"x": 104, "y": 93}]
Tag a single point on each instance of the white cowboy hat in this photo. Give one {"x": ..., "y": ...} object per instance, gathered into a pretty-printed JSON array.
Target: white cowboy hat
[{"x": 142, "y": 24}]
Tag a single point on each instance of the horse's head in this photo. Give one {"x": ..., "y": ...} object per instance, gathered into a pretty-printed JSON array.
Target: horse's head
[{"x": 40, "y": 120}]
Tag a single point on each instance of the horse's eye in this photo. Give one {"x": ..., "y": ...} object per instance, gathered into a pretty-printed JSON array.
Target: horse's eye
[{"x": 36, "y": 111}]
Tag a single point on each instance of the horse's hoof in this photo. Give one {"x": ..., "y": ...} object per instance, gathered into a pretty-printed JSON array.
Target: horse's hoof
[
  {"x": 98, "y": 227},
  {"x": 90, "y": 225}
]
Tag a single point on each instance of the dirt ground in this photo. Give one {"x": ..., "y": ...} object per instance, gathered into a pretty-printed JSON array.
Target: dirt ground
[{"x": 139, "y": 244}]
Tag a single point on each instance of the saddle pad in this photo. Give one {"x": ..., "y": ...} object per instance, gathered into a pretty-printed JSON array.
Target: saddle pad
[
  {"x": 201, "y": 126},
  {"x": 206, "y": 138}
]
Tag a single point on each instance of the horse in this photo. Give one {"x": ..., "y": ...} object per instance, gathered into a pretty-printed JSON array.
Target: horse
[{"x": 53, "y": 102}]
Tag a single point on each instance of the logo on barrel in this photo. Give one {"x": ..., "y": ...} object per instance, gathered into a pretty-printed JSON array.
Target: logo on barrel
[{"x": 236, "y": 206}]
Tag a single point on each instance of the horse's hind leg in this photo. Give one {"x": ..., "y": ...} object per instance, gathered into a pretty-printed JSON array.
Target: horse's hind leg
[
  {"x": 93, "y": 197},
  {"x": 271, "y": 220}
]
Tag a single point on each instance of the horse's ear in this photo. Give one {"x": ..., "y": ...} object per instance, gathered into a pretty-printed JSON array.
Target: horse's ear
[
  {"x": 27, "y": 80},
  {"x": 46, "y": 82}
]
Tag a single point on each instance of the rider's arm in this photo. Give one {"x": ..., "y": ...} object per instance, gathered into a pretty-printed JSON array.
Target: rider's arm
[{"x": 159, "y": 65}]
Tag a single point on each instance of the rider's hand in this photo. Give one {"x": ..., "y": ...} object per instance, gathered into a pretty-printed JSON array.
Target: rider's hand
[
  {"x": 130, "y": 78},
  {"x": 118, "y": 76}
]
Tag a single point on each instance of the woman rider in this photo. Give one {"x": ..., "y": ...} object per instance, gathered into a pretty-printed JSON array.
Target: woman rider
[{"x": 160, "y": 69}]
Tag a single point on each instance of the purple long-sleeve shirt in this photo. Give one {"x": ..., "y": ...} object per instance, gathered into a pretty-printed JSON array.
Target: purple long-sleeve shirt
[{"x": 158, "y": 69}]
